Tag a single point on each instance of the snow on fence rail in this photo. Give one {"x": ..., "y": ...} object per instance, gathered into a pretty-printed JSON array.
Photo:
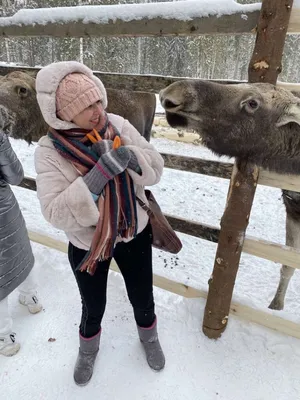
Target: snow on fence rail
[
  {"x": 184, "y": 18},
  {"x": 158, "y": 20}
]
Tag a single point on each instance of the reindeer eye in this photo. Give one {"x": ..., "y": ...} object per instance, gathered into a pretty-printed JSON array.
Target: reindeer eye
[{"x": 253, "y": 104}]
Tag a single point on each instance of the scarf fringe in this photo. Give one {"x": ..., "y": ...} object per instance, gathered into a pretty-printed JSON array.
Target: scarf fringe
[
  {"x": 89, "y": 263},
  {"x": 117, "y": 203}
]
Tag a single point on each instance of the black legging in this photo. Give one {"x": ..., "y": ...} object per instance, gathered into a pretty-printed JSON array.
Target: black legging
[{"x": 134, "y": 260}]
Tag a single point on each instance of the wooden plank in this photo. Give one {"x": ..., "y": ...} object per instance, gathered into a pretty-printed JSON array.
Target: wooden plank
[
  {"x": 272, "y": 179},
  {"x": 293, "y": 86},
  {"x": 173, "y": 135},
  {"x": 272, "y": 251},
  {"x": 48, "y": 241},
  {"x": 146, "y": 83},
  {"x": 83, "y": 26},
  {"x": 248, "y": 314},
  {"x": 197, "y": 165},
  {"x": 223, "y": 170},
  {"x": 294, "y": 23},
  {"x": 159, "y": 281},
  {"x": 196, "y": 229},
  {"x": 257, "y": 247},
  {"x": 212, "y": 168},
  {"x": 265, "y": 319},
  {"x": 240, "y": 22},
  {"x": 28, "y": 183},
  {"x": 170, "y": 285}
]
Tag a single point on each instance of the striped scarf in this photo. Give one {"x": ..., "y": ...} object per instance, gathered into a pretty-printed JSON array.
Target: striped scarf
[{"x": 116, "y": 203}]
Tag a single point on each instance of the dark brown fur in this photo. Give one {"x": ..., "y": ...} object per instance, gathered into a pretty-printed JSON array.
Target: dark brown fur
[
  {"x": 259, "y": 123},
  {"x": 20, "y": 116},
  {"x": 268, "y": 136},
  {"x": 137, "y": 107}
]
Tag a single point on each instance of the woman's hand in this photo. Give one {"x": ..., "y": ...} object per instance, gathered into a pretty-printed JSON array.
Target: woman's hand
[{"x": 102, "y": 147}]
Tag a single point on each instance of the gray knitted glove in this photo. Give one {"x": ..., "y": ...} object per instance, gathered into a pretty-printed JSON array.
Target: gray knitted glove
[
  {"x": 134, "y": 164},
  {"x": 108, "y": 166},
  {"x": 102, "y": 147}
]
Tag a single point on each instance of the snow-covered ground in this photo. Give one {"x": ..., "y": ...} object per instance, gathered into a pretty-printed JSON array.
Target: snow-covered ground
[{"x": 248, "y": 362}]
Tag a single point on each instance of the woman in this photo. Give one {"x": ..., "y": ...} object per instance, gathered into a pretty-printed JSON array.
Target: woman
[{"x": 90, "y": 168}]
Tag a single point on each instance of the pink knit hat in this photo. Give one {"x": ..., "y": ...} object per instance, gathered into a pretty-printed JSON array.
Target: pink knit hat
[{"x": 75, "y": 92}]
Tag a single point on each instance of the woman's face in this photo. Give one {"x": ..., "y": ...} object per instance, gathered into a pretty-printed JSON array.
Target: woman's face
[{"x": 89, "y": 117}]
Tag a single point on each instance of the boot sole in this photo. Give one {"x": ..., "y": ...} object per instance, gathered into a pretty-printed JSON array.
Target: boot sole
[
  {"x": 156, "y": 368},
  {"x": 82, "y": 384}
]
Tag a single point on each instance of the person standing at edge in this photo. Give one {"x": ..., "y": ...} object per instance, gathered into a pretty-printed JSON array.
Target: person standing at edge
[{"x": 16, "y": 257}]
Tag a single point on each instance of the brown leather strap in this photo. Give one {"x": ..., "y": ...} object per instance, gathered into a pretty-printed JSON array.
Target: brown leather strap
[{"x": 144, "y": 206}]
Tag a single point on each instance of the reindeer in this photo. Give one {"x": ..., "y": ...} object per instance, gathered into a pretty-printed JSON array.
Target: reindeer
[
  {"x": 20, "y": 116},
  {"x": 259, "y": 123}
]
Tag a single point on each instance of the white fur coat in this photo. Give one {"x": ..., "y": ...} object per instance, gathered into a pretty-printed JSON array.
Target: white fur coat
[{"x": 66, "y": 201}]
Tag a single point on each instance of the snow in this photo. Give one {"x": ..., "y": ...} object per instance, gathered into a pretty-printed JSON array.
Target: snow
[
  {"x": 104, "y": 14},
  {"x": 248, "y": 362}
]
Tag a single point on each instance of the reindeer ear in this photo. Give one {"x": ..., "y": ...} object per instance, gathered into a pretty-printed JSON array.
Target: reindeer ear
[{"x": 291, "y": 114}]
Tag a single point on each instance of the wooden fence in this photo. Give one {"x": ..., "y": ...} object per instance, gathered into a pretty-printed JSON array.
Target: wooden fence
[
  {"x": 157, "y": 27},
  {"x": 151, "y": 21}
]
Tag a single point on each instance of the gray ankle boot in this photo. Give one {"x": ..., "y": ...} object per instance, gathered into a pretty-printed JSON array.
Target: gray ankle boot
[
  {"x": 154, "y": 354},
  {"x": 84, "y": 366}
]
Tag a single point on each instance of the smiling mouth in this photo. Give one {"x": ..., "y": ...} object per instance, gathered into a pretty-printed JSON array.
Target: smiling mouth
[{"x": 95, "y": 121}]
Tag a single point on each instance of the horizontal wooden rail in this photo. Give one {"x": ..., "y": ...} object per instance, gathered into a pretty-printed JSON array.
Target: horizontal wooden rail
[
  {"x": 223, "y": 170},
  {"x": 215, "y": 169},
  {"x": 249, "y": 314},
  {"x": 153, "y": 20},
  {"x": 198, "y": 165},
  {"x": 256, "y": 247},
  {"x": 272, "y": 251},
  {"x": 272, "y": 179},
  {"x": 147, "y": 83},
  {"x": 105, "y": 20}
]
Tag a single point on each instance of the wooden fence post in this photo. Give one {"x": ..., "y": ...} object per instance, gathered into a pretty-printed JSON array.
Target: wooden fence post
[{"x": 265, "y": 65}]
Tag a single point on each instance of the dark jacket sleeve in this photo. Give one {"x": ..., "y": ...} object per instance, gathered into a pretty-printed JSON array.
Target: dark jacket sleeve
[{"x": 11, "y": 170}]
